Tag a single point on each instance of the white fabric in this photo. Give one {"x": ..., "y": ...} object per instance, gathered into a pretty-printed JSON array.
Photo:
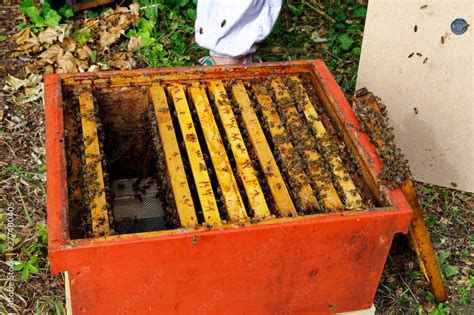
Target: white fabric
[{"x": 247, "y": 22}]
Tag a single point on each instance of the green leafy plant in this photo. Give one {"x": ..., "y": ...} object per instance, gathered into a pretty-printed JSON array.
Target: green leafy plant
[
  {"x": 42, "y": 233},
  {"x": 43, "y": 16},
  {"x": 441, "y": 309},
  {"x": 82, "y": 38},
  {"x": 463, "y": 296},
  {"x": 4, "y": 246},
  {"x": 166, "y": 33},
  {"x": 447, "y": 269},
  {"x": 28, "y": 267}
]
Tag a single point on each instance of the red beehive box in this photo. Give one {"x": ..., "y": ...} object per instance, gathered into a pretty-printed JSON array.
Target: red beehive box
[{"x": 243, "y": 189}]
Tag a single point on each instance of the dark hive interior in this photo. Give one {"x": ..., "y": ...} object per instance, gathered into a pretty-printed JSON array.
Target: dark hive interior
[{"x": 137, "y": 178}]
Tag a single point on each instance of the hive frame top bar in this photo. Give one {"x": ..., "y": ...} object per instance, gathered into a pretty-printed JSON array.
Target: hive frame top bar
[
  {"x": 326, "y": 87},
  {"x": 147, "y": 76}
]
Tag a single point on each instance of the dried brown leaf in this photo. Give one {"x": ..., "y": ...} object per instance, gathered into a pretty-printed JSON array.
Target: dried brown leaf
[
  {"x": 66, "y": 63},
  {"x": 48, "y": 36},
  {"x": 135, "y": 8},
  {"x": 15, "y": 84},
  {"x": 84, "y": 53},
  {"x": 32, "y": 68},
  {"x": 69, "y": 44},
  {"x": 134, "y": 43},
  {"x": 82, "y": 65},
  {"x": 107, "y": 38},
  {"x": 52, "y": 54},
  {"x": 22, "y": 36},
  {"x": 120, "y": 61},
  {"x": 31, "y": 45}
]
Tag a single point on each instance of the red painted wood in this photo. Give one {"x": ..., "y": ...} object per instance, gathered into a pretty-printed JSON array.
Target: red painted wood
[
  {"x": 322, "y": 264},
  {"x": 56, "y": 184},
  {"x": 319, "y": 265}
]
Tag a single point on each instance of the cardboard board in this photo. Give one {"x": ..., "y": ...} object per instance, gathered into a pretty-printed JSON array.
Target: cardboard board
[{"x": 426, "y": 83}]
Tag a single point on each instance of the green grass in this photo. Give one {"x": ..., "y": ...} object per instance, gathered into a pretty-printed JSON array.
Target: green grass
[{"x": 328, "y": 30}]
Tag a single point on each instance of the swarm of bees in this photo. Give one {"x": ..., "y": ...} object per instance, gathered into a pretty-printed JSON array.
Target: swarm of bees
[
  {"x": 395, "y": 169},
  {"x": 292, "y": 150},
  {"x": 84, "y": 185}
]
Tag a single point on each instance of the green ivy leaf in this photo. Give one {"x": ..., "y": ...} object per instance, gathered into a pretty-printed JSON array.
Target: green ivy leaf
[
  {"x": 345, "y": 41},
  {"x": 25, "y": 5},
  {"x": 146, "y": 39},
  {"x": 145, "y": 25},
  {"x": 45, "y": 8},
  {"x": 3, "y": 38},
  {"x": 66, "y": 11},
  {"x": 33, "y": 14},
  {"x": 82, "y": 38},
  {"x": 52, "y": 18},
  {"x": 449, "y": 270},
  {"x": 191, "y": 14},
  {"x": 360, "y": 12},
  {"x": 443, "y": 255},
  {"x": 91, "y": 14}
]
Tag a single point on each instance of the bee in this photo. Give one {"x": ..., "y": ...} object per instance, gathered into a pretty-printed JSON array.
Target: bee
[
  {"x": 416, "y": 28},
  {"x": 411, "y": 55},
  {"x": 201, "y": 30},
  {"x": 426, "y": 59},
  {"x": 415, "y": 110}
]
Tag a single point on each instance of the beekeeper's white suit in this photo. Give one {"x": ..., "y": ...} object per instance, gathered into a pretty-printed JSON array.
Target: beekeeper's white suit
[{"x": 232, "y": 28}]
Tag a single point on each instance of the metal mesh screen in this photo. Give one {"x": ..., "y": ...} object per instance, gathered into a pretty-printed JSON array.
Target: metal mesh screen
[{"x": 137, "y": 207}]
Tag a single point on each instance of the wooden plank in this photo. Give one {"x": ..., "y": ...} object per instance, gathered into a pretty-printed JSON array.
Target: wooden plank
[
  {"x": 93, "y": 168},
  {"x": 353, "y": 198},
  {"x": 299, "y": 182},
  {"x": 174, "y": 163},
  {"x": 184, "y": 74},
  {"x": 307, "y": 148},
  {"x": 281, "y": 196},
  {"x": 227, "y": 182},
  {"x": 241, "y": 156},
  {"x": 196, "y": 159}
]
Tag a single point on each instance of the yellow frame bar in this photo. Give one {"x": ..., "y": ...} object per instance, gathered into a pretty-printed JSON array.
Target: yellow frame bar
[
  {"x": 280, "y": 193},
  {"x": 241, "y": 156},
  {"x": 196, "y": 159},
  {"x": 99, "y": 210},
  {"x": 227, "y": 182},
  {"x": 174, "y": 164}
]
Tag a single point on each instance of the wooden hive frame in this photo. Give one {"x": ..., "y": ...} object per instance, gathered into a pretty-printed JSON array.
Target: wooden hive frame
[
  {"x": 361, "y": 238},
  {"x": 294, "y": 128}
]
